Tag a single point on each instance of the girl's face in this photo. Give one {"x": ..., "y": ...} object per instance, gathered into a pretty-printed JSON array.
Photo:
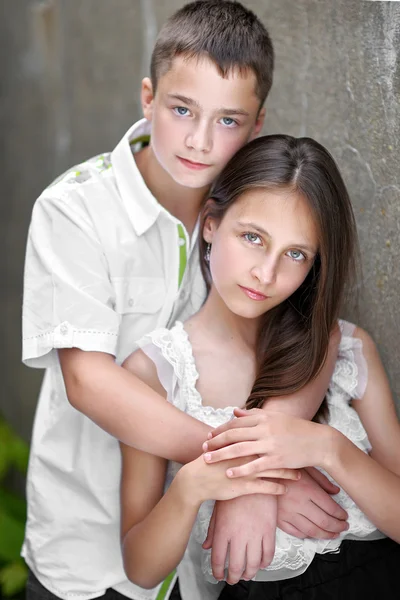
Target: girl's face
[{"x": 261, "y": 251}]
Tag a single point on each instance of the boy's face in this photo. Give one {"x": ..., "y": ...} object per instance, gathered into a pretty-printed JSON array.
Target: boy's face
[{"x": 199, "y": 119}]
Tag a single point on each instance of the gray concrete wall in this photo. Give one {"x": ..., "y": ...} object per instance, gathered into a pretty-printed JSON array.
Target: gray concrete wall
[{"x": 69, "y": 89}]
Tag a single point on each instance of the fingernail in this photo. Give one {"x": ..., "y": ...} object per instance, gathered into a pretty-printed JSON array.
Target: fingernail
[
  {"x": 229, "y": 473},
  {"x": 207, "y": 456},
  {"x": 205, "y": 446},
  {"x": 209, "y": 435}
]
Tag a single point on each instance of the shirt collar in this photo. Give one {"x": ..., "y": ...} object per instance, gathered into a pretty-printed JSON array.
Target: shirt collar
[{"x": 141, "y": 205}]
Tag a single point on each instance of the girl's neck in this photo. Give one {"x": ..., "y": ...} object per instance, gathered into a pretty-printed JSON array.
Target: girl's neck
[{"x": 222, "y": 324}]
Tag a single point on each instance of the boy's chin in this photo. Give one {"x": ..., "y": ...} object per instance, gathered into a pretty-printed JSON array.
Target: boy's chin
[{"x": 193, "y": 183}]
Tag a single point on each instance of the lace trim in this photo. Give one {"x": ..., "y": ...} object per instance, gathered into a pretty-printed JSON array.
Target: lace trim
[{"x": 291, "y": 553}]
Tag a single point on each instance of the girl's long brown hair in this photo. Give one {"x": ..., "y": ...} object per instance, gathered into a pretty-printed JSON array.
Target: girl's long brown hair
[{"x": 294, "y": 336}]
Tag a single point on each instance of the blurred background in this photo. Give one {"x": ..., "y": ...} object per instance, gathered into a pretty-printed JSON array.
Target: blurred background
[{"x": 71, "y": 73}]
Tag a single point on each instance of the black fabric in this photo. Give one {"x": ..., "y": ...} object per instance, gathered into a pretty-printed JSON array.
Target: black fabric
[
  {"x": 36, "y": 591},
  {"x": 360, "y": 571}
]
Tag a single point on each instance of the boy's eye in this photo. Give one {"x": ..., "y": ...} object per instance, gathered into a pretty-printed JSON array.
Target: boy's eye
[
  {"x": 181, "y": 110},
  {"x": 228, "y": 122},
  {"x": 253, "y": 238},
  {"x": 296, "y": 255}
]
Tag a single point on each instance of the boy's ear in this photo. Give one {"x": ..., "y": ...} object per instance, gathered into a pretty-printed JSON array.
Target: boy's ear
[
  {"x": 147, "y": 97},
  {"x": 259, "y": 123}
]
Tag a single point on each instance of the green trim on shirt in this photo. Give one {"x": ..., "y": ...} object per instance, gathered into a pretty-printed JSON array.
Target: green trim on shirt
[
  {"x": 166, "y": 585},
  {"x": 142, "y": 139},
  {"x": 182, "y": 254}
]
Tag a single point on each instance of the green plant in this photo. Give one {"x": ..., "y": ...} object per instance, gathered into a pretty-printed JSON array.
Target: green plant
[{"x": 13, "y": 455}]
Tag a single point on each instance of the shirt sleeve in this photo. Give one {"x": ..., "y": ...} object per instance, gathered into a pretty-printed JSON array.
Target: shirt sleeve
[{"x": 68, "y": 301}]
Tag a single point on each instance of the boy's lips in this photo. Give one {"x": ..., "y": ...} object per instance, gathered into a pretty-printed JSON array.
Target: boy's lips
[
  {"x": 193, "y": 165},
  {"x": 253, "y": 294}
]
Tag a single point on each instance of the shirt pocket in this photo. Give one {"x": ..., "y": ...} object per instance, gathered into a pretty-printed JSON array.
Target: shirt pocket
[{"x": 144, "y": 295}]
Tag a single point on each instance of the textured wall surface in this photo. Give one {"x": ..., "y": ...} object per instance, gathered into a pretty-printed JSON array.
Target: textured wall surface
[{"x": 70, "y": 83}]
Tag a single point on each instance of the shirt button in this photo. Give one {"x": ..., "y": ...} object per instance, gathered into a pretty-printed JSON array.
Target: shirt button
[
  {"x": 182, "y": 242},
  {"x": 64, "y": 329},
  {"x": 130, "y": 302}
]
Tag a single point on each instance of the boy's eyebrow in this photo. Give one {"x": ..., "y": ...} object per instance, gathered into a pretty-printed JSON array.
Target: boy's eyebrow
[
  {"x": 266, "y": 234},
  {"x": 192, "y": 102}
]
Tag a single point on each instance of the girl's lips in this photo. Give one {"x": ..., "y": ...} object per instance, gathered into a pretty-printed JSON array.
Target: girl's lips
[
  {"x": 253, "y": 294},
  {"x": 193, "y": 165}
]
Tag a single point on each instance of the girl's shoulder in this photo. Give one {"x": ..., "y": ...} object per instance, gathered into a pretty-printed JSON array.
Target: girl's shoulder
[{"x": 351, "y": 372}]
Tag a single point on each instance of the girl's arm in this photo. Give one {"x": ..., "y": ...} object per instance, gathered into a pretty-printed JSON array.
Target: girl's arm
[
  {"x": 372, "y": 481},
  {"x": 155, "y": 529},
  {"x": 306, "y": 402}
]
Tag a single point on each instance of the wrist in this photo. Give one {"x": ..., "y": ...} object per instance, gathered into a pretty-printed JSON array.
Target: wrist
[
  {"x": 332, "y": 448},
  {"x": 185, "y": 486}
]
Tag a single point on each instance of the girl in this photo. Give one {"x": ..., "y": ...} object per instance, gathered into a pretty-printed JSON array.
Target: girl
[{"x": 278, "y": 246}]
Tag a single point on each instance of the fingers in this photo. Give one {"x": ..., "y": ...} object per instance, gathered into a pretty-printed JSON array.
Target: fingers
[
  {"x": 237, "y": 561},
  {"x": 234, "y": 451},
  {"x": 245, "y": 421},
  {"x": 310, "y": 530},
  {"x": 253, "y": 559},
  {"x": 290, "y": 529},
  {"x": 254, "y": 467},
  {"x": 208, "y": 542},
  {"x": 293, "y": 474},
  {"x": 263, "y": 486},
  {"x": 323, "y": 481},
  {"x": 219, "y": 554},
  {"x": 327, "y": 505},
  {"x": 268, "y": 548}
]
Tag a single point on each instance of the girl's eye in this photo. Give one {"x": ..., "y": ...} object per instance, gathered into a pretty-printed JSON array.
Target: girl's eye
[
  {"x": 253, "y": 238},
  {"x": 228, "y": 122},
  {"x": 182, "y": 111},
  {"x": 296, "y": 255}
]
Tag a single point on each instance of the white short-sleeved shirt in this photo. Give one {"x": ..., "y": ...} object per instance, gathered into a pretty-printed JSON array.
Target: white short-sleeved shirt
[{"x": 105, "y": 264}]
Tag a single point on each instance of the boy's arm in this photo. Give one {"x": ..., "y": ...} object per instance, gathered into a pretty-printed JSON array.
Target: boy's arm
[
  {"x": 69, "y": 307},
  {"x": 127, "y": 408}
]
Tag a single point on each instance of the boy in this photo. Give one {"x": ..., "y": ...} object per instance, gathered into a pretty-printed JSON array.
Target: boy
[{"x": 111, "y": 255}]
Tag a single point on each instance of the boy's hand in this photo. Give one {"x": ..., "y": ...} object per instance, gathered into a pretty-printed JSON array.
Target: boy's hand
[
  {"x": 307, "y": 510},
  {"x": 245, "y": 529}
]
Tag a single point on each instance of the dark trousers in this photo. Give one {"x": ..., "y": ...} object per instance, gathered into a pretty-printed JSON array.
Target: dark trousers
[
  {"x": 360, "y": 571},
  {"x": 36, "y": 591}
]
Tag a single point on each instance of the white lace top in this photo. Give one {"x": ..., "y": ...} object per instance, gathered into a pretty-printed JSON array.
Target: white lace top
[{"x": 171, "y": 352}]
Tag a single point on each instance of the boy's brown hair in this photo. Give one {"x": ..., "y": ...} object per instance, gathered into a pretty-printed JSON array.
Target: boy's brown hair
[{"x": 229, "y": 34}]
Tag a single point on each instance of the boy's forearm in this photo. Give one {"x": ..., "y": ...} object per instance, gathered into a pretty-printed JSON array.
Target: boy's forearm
[
  {"x": 128, "y": 409},
  {"x": 305, "y": 403}
]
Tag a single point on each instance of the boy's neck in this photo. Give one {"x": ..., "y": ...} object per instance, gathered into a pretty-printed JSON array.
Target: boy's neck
[{"x": 182, "y": 202}]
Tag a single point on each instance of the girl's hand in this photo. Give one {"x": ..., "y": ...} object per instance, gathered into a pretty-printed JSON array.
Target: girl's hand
[
  {"x": 209, "y": 482},
  {"x": 281, "y": 440}
]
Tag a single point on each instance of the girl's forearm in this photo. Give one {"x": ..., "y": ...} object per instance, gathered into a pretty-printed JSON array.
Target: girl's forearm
[
  {"x": 155, "y": 546},
  {"x": 128, "y": 409},
  {"x": 374, "y": 489}
]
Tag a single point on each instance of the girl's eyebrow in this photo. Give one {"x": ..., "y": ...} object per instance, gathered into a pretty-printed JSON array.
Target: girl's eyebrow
[
  {"x": 222, "y": 111},
  {"x": 268, "y": 235}
]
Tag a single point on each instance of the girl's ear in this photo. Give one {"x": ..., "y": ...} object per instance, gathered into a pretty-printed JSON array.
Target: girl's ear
[
  {"x": 147, "y": 98},
  {"x": 209, "y": 229}
]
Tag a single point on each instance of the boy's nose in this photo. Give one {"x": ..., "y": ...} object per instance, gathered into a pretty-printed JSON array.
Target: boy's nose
[{"x": 200, "y": 138}]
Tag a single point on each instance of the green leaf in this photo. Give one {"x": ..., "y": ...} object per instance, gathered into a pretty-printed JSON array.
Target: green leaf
[
  {"x": 13, "y": 578},
  {"x": 19, "y": 454},
  {"x": 12, "y": 504},
  {"x": 11, "y": 536}
]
